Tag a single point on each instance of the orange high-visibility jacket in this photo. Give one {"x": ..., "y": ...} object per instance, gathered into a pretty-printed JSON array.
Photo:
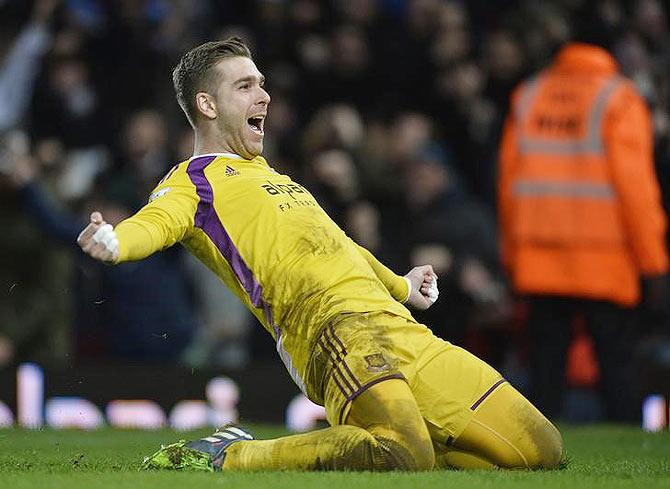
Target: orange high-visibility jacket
[{"x": 579, "y": 204}]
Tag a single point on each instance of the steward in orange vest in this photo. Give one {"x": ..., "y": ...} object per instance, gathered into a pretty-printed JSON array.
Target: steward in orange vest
[
  {"x": 581, "y": 220},
  {"x": 579, "y": 204}
]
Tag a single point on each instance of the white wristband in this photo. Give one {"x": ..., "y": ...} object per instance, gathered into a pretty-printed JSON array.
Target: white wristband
[{"x": 409, "y": 290}]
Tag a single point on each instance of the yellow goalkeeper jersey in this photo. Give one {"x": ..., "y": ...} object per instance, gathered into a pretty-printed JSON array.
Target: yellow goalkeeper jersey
[{"x": 268, "y": 239}]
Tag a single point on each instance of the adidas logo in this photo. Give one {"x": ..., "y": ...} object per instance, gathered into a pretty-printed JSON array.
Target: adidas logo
[{"x": 231, "y": 172}]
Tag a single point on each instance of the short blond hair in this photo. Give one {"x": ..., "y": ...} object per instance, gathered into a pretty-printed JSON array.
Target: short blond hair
[{"x": 194, "y": 72}]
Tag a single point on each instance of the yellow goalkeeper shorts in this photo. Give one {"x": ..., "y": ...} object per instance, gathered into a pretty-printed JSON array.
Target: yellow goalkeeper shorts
[{"x": 356, "y": 351}]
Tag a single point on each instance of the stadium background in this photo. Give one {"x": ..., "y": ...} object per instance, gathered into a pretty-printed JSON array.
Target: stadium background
[{"x": 389, "y": 111}]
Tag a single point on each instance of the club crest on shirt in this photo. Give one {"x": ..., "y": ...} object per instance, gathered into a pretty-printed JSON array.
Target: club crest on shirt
[{"x": 377, "y": 363}]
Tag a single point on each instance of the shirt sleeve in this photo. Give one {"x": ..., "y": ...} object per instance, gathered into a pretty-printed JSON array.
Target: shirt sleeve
[
  {"x": 397, "y": 286},
  {"x": 167, "y": 219}
]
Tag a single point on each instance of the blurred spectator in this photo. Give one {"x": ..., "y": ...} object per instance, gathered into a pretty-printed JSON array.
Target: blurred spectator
[
  {"x": 337, "y": 126},
  {"x": 21, "y": 65},
  {"x": 70, "y": 98},
  {"x": 456, "y": 233},
  {"x": 144, "y": 157},
  {"x": 223, "y": 334},
  {"x": 125, "y": 315},
  {"x": 503, "y": 62},
  {"x": 35, "y": 315},
  {"x": 387, "y": 153},
  {"x": 363, "y": 222},
  {"x": 580, "y": 212},
  {"x": 334, "y": 182}
]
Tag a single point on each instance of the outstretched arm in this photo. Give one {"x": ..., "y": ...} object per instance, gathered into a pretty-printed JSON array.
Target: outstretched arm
[
  {"x": 418, "y": 288},
  {"x": 164, "y": 221}
]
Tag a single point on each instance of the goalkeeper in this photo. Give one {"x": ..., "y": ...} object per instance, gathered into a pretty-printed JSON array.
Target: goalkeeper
[{"x": 396, "y": 396}]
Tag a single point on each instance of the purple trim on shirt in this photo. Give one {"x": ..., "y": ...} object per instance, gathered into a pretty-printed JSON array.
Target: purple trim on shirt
[
  {"x": 268, "y": 315},
  {"x": 207, "y": 220},
  {"x": 339, "y": 342}
]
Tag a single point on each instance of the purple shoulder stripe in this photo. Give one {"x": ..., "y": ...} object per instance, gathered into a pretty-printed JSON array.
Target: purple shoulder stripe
[{"x": 207, "y": 219}]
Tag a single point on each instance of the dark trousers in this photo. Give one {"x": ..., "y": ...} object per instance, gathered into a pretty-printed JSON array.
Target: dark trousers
[{"x": 550, "y": 331}]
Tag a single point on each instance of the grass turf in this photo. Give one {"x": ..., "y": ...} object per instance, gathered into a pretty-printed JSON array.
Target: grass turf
[{"x": 600, "y": 457}]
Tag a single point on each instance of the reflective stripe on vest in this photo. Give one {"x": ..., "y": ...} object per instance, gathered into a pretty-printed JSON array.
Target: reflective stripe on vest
[
  {"x": 591, "y": 143},
  {"x": 534, "y": 188}
]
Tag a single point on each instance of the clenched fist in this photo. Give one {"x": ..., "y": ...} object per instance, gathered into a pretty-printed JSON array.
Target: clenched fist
[
  {"x": 98, "y": 240},
  {"x": 423, "y": 287}
]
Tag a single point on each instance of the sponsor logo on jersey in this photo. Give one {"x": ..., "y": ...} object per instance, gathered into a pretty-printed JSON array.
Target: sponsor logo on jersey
[
  {"x": 159, "y": 193},
  {"x": 231, "y": 172},
  {"x": 284, "y": 189}
]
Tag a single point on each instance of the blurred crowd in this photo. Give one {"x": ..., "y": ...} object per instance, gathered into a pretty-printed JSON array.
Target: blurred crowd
[{"x": 389, "y": 111}]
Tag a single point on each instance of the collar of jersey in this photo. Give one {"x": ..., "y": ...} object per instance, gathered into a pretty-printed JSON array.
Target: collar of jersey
[
  {"x": 258, "y": 159},
  {"x": 225, "y": 155}
]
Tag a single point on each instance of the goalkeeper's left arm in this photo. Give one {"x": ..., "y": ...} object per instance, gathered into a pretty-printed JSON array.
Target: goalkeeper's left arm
[{"x": 418, "y": 288}]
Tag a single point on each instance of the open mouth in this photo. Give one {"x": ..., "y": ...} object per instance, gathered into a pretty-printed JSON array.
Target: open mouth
[{"x": 256, "y": 123}]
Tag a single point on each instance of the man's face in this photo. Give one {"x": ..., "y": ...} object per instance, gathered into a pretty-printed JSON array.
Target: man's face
[{"x": 241, "y": 105}]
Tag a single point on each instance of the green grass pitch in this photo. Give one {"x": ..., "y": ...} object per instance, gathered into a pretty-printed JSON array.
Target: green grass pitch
[{"x": 600, "y": 457}]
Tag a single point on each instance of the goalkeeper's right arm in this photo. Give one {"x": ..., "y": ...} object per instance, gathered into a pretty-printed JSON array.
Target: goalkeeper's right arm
[
  {"x": 164, "y": 221},
  {"x": 99, "y": 240}
]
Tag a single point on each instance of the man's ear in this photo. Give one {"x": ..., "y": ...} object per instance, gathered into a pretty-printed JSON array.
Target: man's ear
[{"x": 206, "y": 105}]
